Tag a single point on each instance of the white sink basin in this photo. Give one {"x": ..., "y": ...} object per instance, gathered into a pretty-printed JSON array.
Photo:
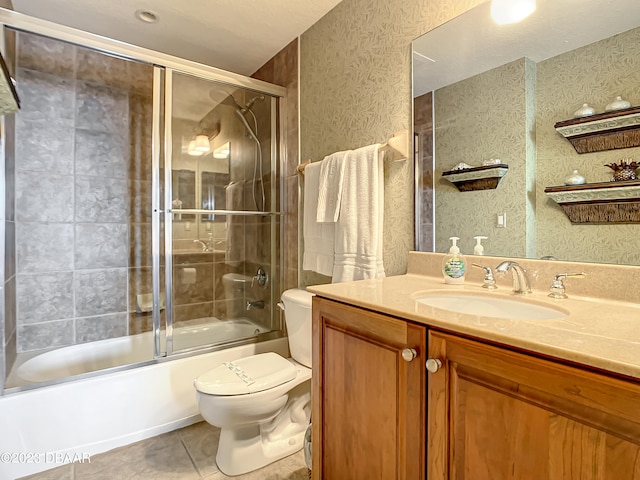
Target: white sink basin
[{"x": 488, "y": 306}]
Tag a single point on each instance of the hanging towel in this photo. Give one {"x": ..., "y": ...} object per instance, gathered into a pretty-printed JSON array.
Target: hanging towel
[
  {"x": 330, "y": 190},
  {"x": 358, "y": 243},
  {"x": 318, "y": 237}
]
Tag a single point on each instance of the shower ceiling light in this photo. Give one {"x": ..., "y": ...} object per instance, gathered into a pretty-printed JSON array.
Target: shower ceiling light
[
  {"x": 147, "y": 16},
  {"x": 511, "y": 11},
  {"x": 201, "y": 144}
]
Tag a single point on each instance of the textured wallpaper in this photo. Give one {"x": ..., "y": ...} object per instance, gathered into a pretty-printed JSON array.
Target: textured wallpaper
[
  {"x": 355, "y": 89},
  {"x": 566, "y": 82},
  {"x": 497, "y": 97}
]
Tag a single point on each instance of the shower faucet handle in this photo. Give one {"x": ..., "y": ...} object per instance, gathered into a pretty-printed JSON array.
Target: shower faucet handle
[{"x": 261, "y": 276}]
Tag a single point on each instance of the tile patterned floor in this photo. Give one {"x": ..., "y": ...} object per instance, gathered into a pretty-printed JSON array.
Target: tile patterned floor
[{"x": 185, "y": 454}]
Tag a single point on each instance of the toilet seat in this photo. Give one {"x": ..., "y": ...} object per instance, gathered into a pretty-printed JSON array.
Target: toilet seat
[{"x": 247, "y": 375}]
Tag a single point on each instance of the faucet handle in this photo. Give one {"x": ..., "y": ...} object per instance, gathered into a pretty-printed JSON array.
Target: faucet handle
[
  {"x": 261, "y": 276},
  {"x": 557, "y": 287},
  {"x": 489, "y": 280}
]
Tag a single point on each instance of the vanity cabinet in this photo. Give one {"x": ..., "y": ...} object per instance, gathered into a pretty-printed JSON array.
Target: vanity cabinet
[
  {"x": 499, "y": 414},
  {"x": 369, "y": 401}
]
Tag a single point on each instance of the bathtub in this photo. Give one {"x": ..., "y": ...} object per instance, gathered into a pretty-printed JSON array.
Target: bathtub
[
  {"x": 47, "y": 426},
  {"x": 114, "y": 352}
]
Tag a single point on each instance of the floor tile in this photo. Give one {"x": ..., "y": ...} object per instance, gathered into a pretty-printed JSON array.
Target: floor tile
[
  {"x": 201, "y": 441},
  {"x": 158, "y": 458},
  {"x": 64, "y": 472},
  {"x": 185, "y": 454}
]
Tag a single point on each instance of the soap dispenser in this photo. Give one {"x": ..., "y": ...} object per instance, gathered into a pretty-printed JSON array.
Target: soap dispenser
[
  {"x": 479, "y": 249},
  {"x": 454, "y": 266}
]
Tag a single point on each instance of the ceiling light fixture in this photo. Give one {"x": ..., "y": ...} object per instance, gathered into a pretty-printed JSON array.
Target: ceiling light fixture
[
  {"x": 202, "y": 143},
  {"x": 191, "y": 149},
  {"x": 147, "y": 16},
  {"x": 511, "y": 11}
]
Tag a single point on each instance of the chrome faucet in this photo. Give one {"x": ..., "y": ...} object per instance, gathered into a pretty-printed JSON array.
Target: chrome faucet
[
  {"x": 205, "y": 247},
  {"x": 520, "y": 279}
]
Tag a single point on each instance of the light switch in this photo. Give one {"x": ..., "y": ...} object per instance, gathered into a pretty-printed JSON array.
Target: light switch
[{"x": 502, "y": 220}]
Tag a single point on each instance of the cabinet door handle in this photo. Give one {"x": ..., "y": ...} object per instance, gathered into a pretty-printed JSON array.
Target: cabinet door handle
[
  {"x": 434, "y": 364},
  {"x": 409, "y": 354}
]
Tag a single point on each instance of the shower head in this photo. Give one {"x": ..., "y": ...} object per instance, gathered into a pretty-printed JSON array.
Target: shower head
[{"x": 253, "y": 100}]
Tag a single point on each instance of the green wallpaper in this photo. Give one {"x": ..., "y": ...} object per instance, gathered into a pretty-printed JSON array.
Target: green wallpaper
[{"x": 355, "y": 89}]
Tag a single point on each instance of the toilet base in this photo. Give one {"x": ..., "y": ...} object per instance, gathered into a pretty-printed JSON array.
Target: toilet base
[
  {"x": 249, "y": 447},
  {"x": 241, "y": 451}
]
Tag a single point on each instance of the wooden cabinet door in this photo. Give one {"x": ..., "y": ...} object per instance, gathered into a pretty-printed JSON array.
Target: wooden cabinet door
[
  {"x": 497, "y": 414},
  {"x": 368, "y": 402}
]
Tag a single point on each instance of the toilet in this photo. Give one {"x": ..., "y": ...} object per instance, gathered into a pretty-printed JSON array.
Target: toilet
[{"x": 262, "y": 403}]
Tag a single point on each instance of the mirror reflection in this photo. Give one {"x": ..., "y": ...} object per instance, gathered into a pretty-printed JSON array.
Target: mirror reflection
[{"x": 483, "y": 92}]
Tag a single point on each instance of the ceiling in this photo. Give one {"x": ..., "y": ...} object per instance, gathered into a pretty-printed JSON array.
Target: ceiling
[
  {"x": 472, "y": 43},
  {"x": 235, "y": 35}
]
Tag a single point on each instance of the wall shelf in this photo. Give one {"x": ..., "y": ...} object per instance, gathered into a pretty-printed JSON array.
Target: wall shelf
[
  {"x": 606, "y": 202},
  {"x": 477, "y": 178},
  {"x": 604, "y": 131}
]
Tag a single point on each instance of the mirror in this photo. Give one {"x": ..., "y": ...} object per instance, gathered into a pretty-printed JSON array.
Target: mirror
[
  {"x": 184, "y": 193},
  {"x": 483, "y": 91}
]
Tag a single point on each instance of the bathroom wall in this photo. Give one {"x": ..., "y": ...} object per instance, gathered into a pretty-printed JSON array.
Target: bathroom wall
[
  {"x": 355, "y": 84},
  {"x": 507, "y": 134},
  {"x": 82, "y": 192},
  {"x": 282, "y": 70}
]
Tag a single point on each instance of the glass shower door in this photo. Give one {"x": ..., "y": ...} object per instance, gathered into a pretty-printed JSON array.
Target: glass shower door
[{"x": 221, "y": 221}]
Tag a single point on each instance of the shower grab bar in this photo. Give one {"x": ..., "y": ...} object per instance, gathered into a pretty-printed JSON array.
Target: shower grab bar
[{"x": 221, "y": 212}]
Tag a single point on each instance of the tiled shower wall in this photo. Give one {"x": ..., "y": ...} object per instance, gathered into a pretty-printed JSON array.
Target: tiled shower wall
[
  {"x": 283, "y": 70},
  {"x": 82, "y": 192}
]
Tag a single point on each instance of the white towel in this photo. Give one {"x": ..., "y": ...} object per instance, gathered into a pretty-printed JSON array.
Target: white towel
[
  {"x": 318, "y": 237},
  {"x": 330, "y": 191},
  {"x": 358, "y": 246}
]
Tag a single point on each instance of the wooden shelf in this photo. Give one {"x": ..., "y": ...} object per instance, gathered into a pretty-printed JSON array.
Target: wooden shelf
[
  {"x": 604, "y": 131},
  {"x": 477, "y": 178},
  {"x": 606, "y": 202}
]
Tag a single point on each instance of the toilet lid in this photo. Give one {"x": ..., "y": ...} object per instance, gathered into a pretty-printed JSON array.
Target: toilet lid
[{"x": 246, "y": 375}]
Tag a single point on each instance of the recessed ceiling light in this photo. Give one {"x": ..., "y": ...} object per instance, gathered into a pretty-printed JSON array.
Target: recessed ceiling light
[{"x": 147, "y": 16}]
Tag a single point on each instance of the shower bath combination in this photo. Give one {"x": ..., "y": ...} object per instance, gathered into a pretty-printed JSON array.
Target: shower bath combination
[{"x": 115, "y": 243}]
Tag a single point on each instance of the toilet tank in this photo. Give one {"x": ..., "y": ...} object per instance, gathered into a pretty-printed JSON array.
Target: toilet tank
[{"x": 297, "y": 315}]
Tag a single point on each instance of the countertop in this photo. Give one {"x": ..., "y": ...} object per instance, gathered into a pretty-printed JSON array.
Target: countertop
[{"x": 597, "y": 333}]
